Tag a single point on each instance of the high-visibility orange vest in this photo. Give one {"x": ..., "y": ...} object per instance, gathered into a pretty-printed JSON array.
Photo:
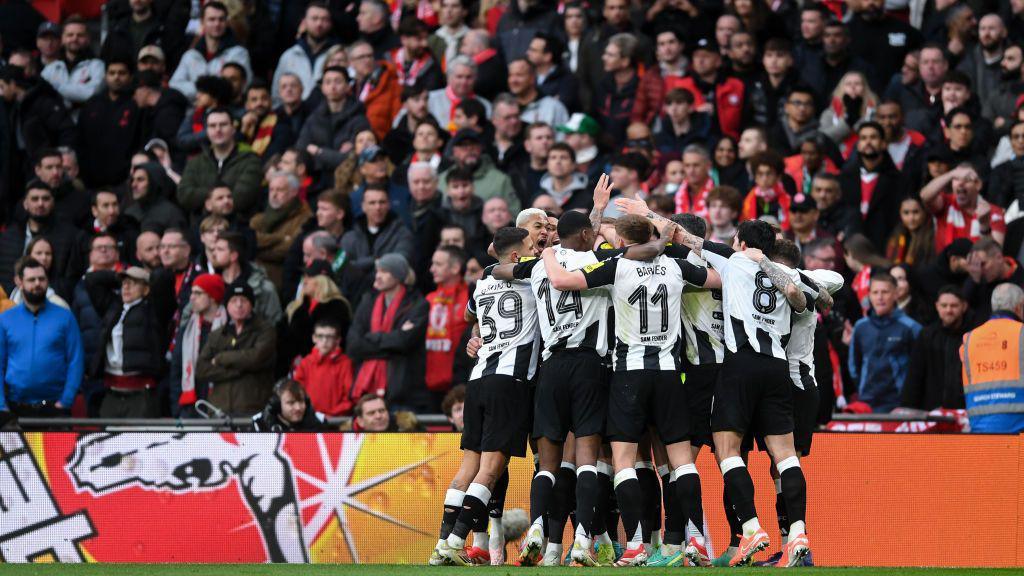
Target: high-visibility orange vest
[{"x": 992, "y": 356}]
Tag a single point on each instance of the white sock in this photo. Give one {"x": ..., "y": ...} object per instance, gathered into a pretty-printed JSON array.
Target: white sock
[
  {"x": 778, "y": 485},
  {"x": 796, "y": 529},
  {"x": 481, "y": 539},
  {"x": 656, "y": 538},
  {"x": 454, "y": 497},
  {"x": 692, "y": 532},
  {"x": 440, "y": 542},
  {"x": 497, "y": 533},
  {"x": 456, "y": 542},
  {"x": 751, "y": 526},
  {"x": 603, "y": 538},
  {"x": 554, "y": 549}
]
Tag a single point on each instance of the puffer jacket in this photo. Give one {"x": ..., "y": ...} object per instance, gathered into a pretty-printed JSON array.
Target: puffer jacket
[
  {"x": 194, "y": 63},
  {"x": 300, "y": 61},
  {"x": 330, "y": 130},
  {"x": 241, "y": 171},
  {"x": 880, "y": 356},
  {"x": 76, "y": 81},
  {"x": 241, "y": 380},
  {"x": 383, "y": 97},
  {"x": 143, "y": 345}
]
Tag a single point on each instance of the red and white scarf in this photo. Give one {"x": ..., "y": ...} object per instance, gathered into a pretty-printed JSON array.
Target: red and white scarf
[
  {"x": 190, "y": 344},
  {"x": 685, "y": 204}
]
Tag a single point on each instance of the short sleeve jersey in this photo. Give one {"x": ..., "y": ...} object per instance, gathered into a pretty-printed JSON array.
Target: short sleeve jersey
[
  {"x": 572, "y": 319},
  {"x": 647, "y": 301},
  {"x": 702, "y": 317},
  {"x": 507, "y": 314},
  {"x": 800, "y": 348},
  {"x": 758, "y": 314}
]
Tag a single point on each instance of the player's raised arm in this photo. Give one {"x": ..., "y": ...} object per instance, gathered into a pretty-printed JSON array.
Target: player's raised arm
[
  {"x": 783, "y": 281},
  {"x": 602, "y": 194},
  {"x": 560, "y": 278}
]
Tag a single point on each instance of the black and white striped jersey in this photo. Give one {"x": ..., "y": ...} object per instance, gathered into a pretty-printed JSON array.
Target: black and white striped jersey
[
  {"x": 703, "y": 319},
  {"x": 507, "y": 314},
  {"x": 800, "y": 348},
  {"x": 647, "y": 301},
  {"x": 757, "y": 313},
  {"x": 574, "y": 319}
]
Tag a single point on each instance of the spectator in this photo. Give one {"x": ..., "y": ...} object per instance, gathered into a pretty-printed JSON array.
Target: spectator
[
  {"x": 377, "y": 85},
  {"x": 212, "y": 92},
  {"x": 70, "y": 202},
  {"x": 377, "y": 232},
  {"x": 803, "y": 219},
  {"x": 65, "y": 241},
  {"x": 447, "y": 319},
  {"x": 147, "y": 250},
  {"x": 536, "y": 107},
  {"x": 989, "y": 410},
  {"x": 593, "y": 47},
  {"x": 581, "y": 133},
  {"x": 489, "y": 182},
  {"x": 933, "y": 377},
  {"x": 478, "y": 47},
  {"x": 913, "y": 240},
  {"x": 526, "y": 175},
  {"x": 959, "y": 210},
  {"x": 1005, "y": 188},
  {"x": 824, "y": 71},
  {"x": 223, "y": 162},
  {"x": 237, "y": 360},
  {"x": 291, "y": 113},
  {"x": 289, "y": 409},
  {"x": 981, "y": 62},
  {"x": 386, "y": 337},
  {"x": 923, "y": 98},
  {"x": 305, "y": 59},
  {"x": 161, "y": 110},
  {"x": 881, "y": 39},
  {"x": 908, "y": 297},
  {"x": 453, "y": 406},
  {"x": 162, "y": 25},
  {"x": 260, "y": 127},
  {"x": 330, "y": 129},
  {"x": 880, "y": 347},
  {"x": 906, "y": 147},
  {"x": 521, "y": 22},
  {"x": 318, "y": 299},
  {"x": 399, "y": 141},
  {"x": 768, "y": 197},
  {"x": 327, "y": 372},
  {"x": 40, "y": 351},
  {"x": 131, "y": 353},
  {"x": 109, "y": 123},
  {"x": 987, "y": 268},
  {"x": 215, "y": 48},
  {"x": 723, "y": 207},
  {"x": 709, "y": 84},
  {"x": 616, "y": 88},
  {"x": 150, "y": 205},
  {"x": 567, "y": 187},
  {"x": 375, "y": 170},
  {"x": 461, "y": 205},
  {"x": 332, "y": 211},
  {"x": 206, "y": 299},
  {"x": 415, "y": 64},
  {"x": 428, "y": 218},
  {"x": 234, "y": 268},
  {"x": 1000, "y": 104},
  {"x": 375, "y": 29},
  {"x": 553, "y": 77},
  {"x": 872, "y": 185},
  {"x": 371, "y": 415},
  {"x": 47, "y": 43},
  {"x": 279, "y": 224},
  {"x": 679, "y": 126},
  {"x": 42, "y": 119},
  {"x": 628, "y": 171},
  {"x": 76, "y": 74},
  {"x": 949, "y": 267}
]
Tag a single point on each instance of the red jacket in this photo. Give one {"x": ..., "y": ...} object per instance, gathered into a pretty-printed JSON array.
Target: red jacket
[
  {"x": 328, "y": 381},
  {"x": 444, "y": 332},
  {"x": 729, "y": 95}
]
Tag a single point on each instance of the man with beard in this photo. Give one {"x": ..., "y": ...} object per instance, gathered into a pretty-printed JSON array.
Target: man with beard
[
  {"x": 261, "y": 128},
  {"x": 306, "y": 58},
  {"x": 140, "y": 23},
  {"x": 108, "y": 126},
  {"x": 880, "y": 39},
  {"x": 65, "y": 240},
  {"x": 982, "y": 61},
  {"x": 77, "y": 75},
  {"x": 959, "y": 210},
  {"x": 70, "y": 205},
  {"x": 40, "y": 350},
  {"x": 229, "y": 261},
  {"x": 872, "y": 185},
  {"x": 1001, "y": 103},
  {"x": 414, "y": 63},
  {"x": 467, "y": 153}
]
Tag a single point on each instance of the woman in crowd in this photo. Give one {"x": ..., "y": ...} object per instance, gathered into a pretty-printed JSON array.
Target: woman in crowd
[
  {"x": 913, "y": 240},
  {"x": 319, "y": 298}
]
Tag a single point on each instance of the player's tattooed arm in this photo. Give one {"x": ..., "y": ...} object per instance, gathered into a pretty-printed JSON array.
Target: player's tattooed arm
[
  {"x": 602, "y": 194},
  {"x": 794, "y": 295},
  {"x": 824, "y": 300}
]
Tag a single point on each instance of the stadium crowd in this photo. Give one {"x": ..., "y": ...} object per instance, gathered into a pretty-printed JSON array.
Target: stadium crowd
[{"x": 213, "y": 197}]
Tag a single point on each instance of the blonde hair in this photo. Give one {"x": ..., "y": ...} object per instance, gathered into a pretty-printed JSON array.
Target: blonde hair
[
  {"x": 326, "y": 291},
  {"x": 868, "y": 102}
]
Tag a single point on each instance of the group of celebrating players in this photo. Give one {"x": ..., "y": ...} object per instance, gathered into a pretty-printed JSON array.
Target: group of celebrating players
[{"x": 645, "y": 350}]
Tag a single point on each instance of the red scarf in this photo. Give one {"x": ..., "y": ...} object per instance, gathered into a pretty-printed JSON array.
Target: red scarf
[
  {"x": 373, "y": 374},
  {"x": 198, "y": 120},
  {"x": 455, "y": 100},
  {"x": 685, "y": 204},
  {"x": 407, "y": 71}
]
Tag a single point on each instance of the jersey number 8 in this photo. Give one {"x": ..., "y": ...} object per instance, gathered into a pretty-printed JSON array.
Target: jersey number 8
[
  {"x": 766, "y": 295},
  {"x": 510, "y": 306}
]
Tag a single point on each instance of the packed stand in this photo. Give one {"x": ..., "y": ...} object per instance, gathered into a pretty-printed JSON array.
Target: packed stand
[{"x": 212, "y": 198}]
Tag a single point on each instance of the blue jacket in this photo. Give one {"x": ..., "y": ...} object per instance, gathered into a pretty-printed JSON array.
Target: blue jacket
[
  {"x": 40, "y": 356},
  {"x": 880, "y": 356}
]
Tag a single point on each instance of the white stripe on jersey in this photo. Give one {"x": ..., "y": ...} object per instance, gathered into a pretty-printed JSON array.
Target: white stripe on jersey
[
  {"x": 570, "y": 319},
  {"x": 757, "y": 313},
  {"x": 703, "y": 322},
  {"x": 507, "y": 314},
  {"x": 646, "y": 297},
  {"x": 800, "y": 349}
]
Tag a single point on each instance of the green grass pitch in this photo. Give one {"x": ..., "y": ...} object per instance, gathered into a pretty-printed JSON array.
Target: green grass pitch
[{"x": 406, "y": 570}]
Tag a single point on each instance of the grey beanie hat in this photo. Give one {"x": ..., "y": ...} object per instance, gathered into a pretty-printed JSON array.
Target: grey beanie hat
[{"x": 396, "y": 265}]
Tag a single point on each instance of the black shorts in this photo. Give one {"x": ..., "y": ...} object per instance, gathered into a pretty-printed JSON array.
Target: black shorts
[
  {"x": 571, "y": 395},
  {"x": 640, "y": 398},
  {"x": 752, "y": 395},
  {"x": 805, "y": 420},
  {"x": 496, "y": 415},
  {"x": 700, "y": 389}
]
